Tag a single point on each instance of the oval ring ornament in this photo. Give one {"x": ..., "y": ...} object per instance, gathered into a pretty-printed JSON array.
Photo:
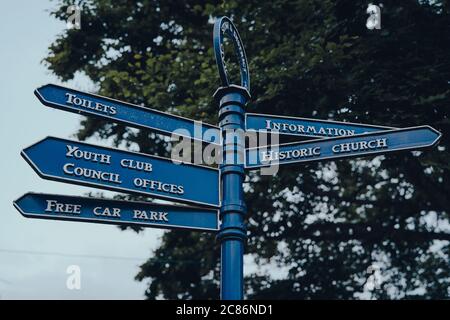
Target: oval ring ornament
[{"x": 224, "y": 27}]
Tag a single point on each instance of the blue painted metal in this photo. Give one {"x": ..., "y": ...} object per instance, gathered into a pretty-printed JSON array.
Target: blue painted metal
[
  {"x": 306, "y": 127},
  {"x": 232, "y": 235},
  {"x": 126, "y": 113},
  {"x": 343, "y": 147},
  {"x": 123, "y": 171},
  {"x": 232, "y": 100},
  {"x": 143, "y": 214},
  {"x": 225, "y": 28}
]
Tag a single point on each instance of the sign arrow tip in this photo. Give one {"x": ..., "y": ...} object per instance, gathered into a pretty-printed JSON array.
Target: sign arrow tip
[{"x": 437, "y": 132}]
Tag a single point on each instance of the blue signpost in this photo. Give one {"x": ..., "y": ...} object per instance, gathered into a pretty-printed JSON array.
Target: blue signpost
[
  {"x": 211, "y": 189},
  {"x": 306, "y": 127},
  {"x": 88, "y": 104},
  {"x": 232, "y": 100},
  {"x": 232, "y": 235},
  {"x": 143, "y": 214},
  {"x": 343, "y": 147},
  {"x": 117, "y": 170}
]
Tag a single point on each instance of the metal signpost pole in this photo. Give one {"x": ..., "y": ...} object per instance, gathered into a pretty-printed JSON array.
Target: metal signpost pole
[
  {"x": 232, "y": 100},
  {"x": 232, "y": 235}
]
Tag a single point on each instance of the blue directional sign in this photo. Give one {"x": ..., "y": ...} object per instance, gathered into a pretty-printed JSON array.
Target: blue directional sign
[
  {"x": 59, "y": 207},
  {"x": 343, "y": 147},
  {"x": 306, "y": 127},
  {"x": 117, "y": 170},
  {"x": 126, "y": 113}
]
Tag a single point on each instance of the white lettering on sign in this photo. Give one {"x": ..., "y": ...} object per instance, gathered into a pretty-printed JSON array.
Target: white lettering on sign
[
  {"x": 151, "y": 215},
  {"x": 158, "y": 186},
  {"x": 88, "y": 104},
  {"x": 77, "y": 153},
  {"x": 107, "y": 212},
  {"x": 136, "y": 165},
  {"x": 70, "y": 169},
  {"x": 290, "y": 154},
  {"x": 313, "y": 130},
  {"x": 59, "y": 207},
  {"x": 360, "y": 145}
]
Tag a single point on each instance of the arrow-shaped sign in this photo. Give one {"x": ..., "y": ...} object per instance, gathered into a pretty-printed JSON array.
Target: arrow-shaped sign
[
  {"x": 126, "y": 113},
  {"x": 342, "y": 147},
  {"x": 59, "y": 207},
  {"x": 117, "y": 170},
  {"x": 306, "y": 127}
]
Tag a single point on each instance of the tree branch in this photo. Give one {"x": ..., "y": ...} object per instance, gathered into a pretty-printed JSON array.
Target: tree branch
[{"x": 367, "y": 232}]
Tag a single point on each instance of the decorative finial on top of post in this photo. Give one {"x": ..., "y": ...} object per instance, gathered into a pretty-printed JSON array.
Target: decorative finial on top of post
[{"x": 224, "y": 27}]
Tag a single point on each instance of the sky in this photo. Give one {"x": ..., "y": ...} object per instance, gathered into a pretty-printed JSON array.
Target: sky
[{"x": 35, "y": 254}]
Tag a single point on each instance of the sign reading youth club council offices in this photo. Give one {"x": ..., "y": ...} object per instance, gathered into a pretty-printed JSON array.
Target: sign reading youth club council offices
[{"x": 117, "y": 170}]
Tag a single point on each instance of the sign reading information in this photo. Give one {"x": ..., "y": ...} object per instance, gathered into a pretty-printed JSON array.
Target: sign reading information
[
  {"x": 306, "y": 127},
  {"x": 117, "y": 170},
  {"x": 343, "y": 147},
  {"x": 58, "y": 207}
]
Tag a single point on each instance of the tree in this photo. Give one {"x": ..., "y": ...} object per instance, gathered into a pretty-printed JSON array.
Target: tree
[{"x": 322, "y": 227}]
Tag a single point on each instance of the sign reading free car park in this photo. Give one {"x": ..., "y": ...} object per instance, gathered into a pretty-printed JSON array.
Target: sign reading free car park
[
  {"x": 117, "y": 170},
  {"x": 84, "y": 209}
]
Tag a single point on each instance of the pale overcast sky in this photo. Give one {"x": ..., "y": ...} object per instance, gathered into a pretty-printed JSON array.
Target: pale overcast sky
[{"x": 34, "y": 254}]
